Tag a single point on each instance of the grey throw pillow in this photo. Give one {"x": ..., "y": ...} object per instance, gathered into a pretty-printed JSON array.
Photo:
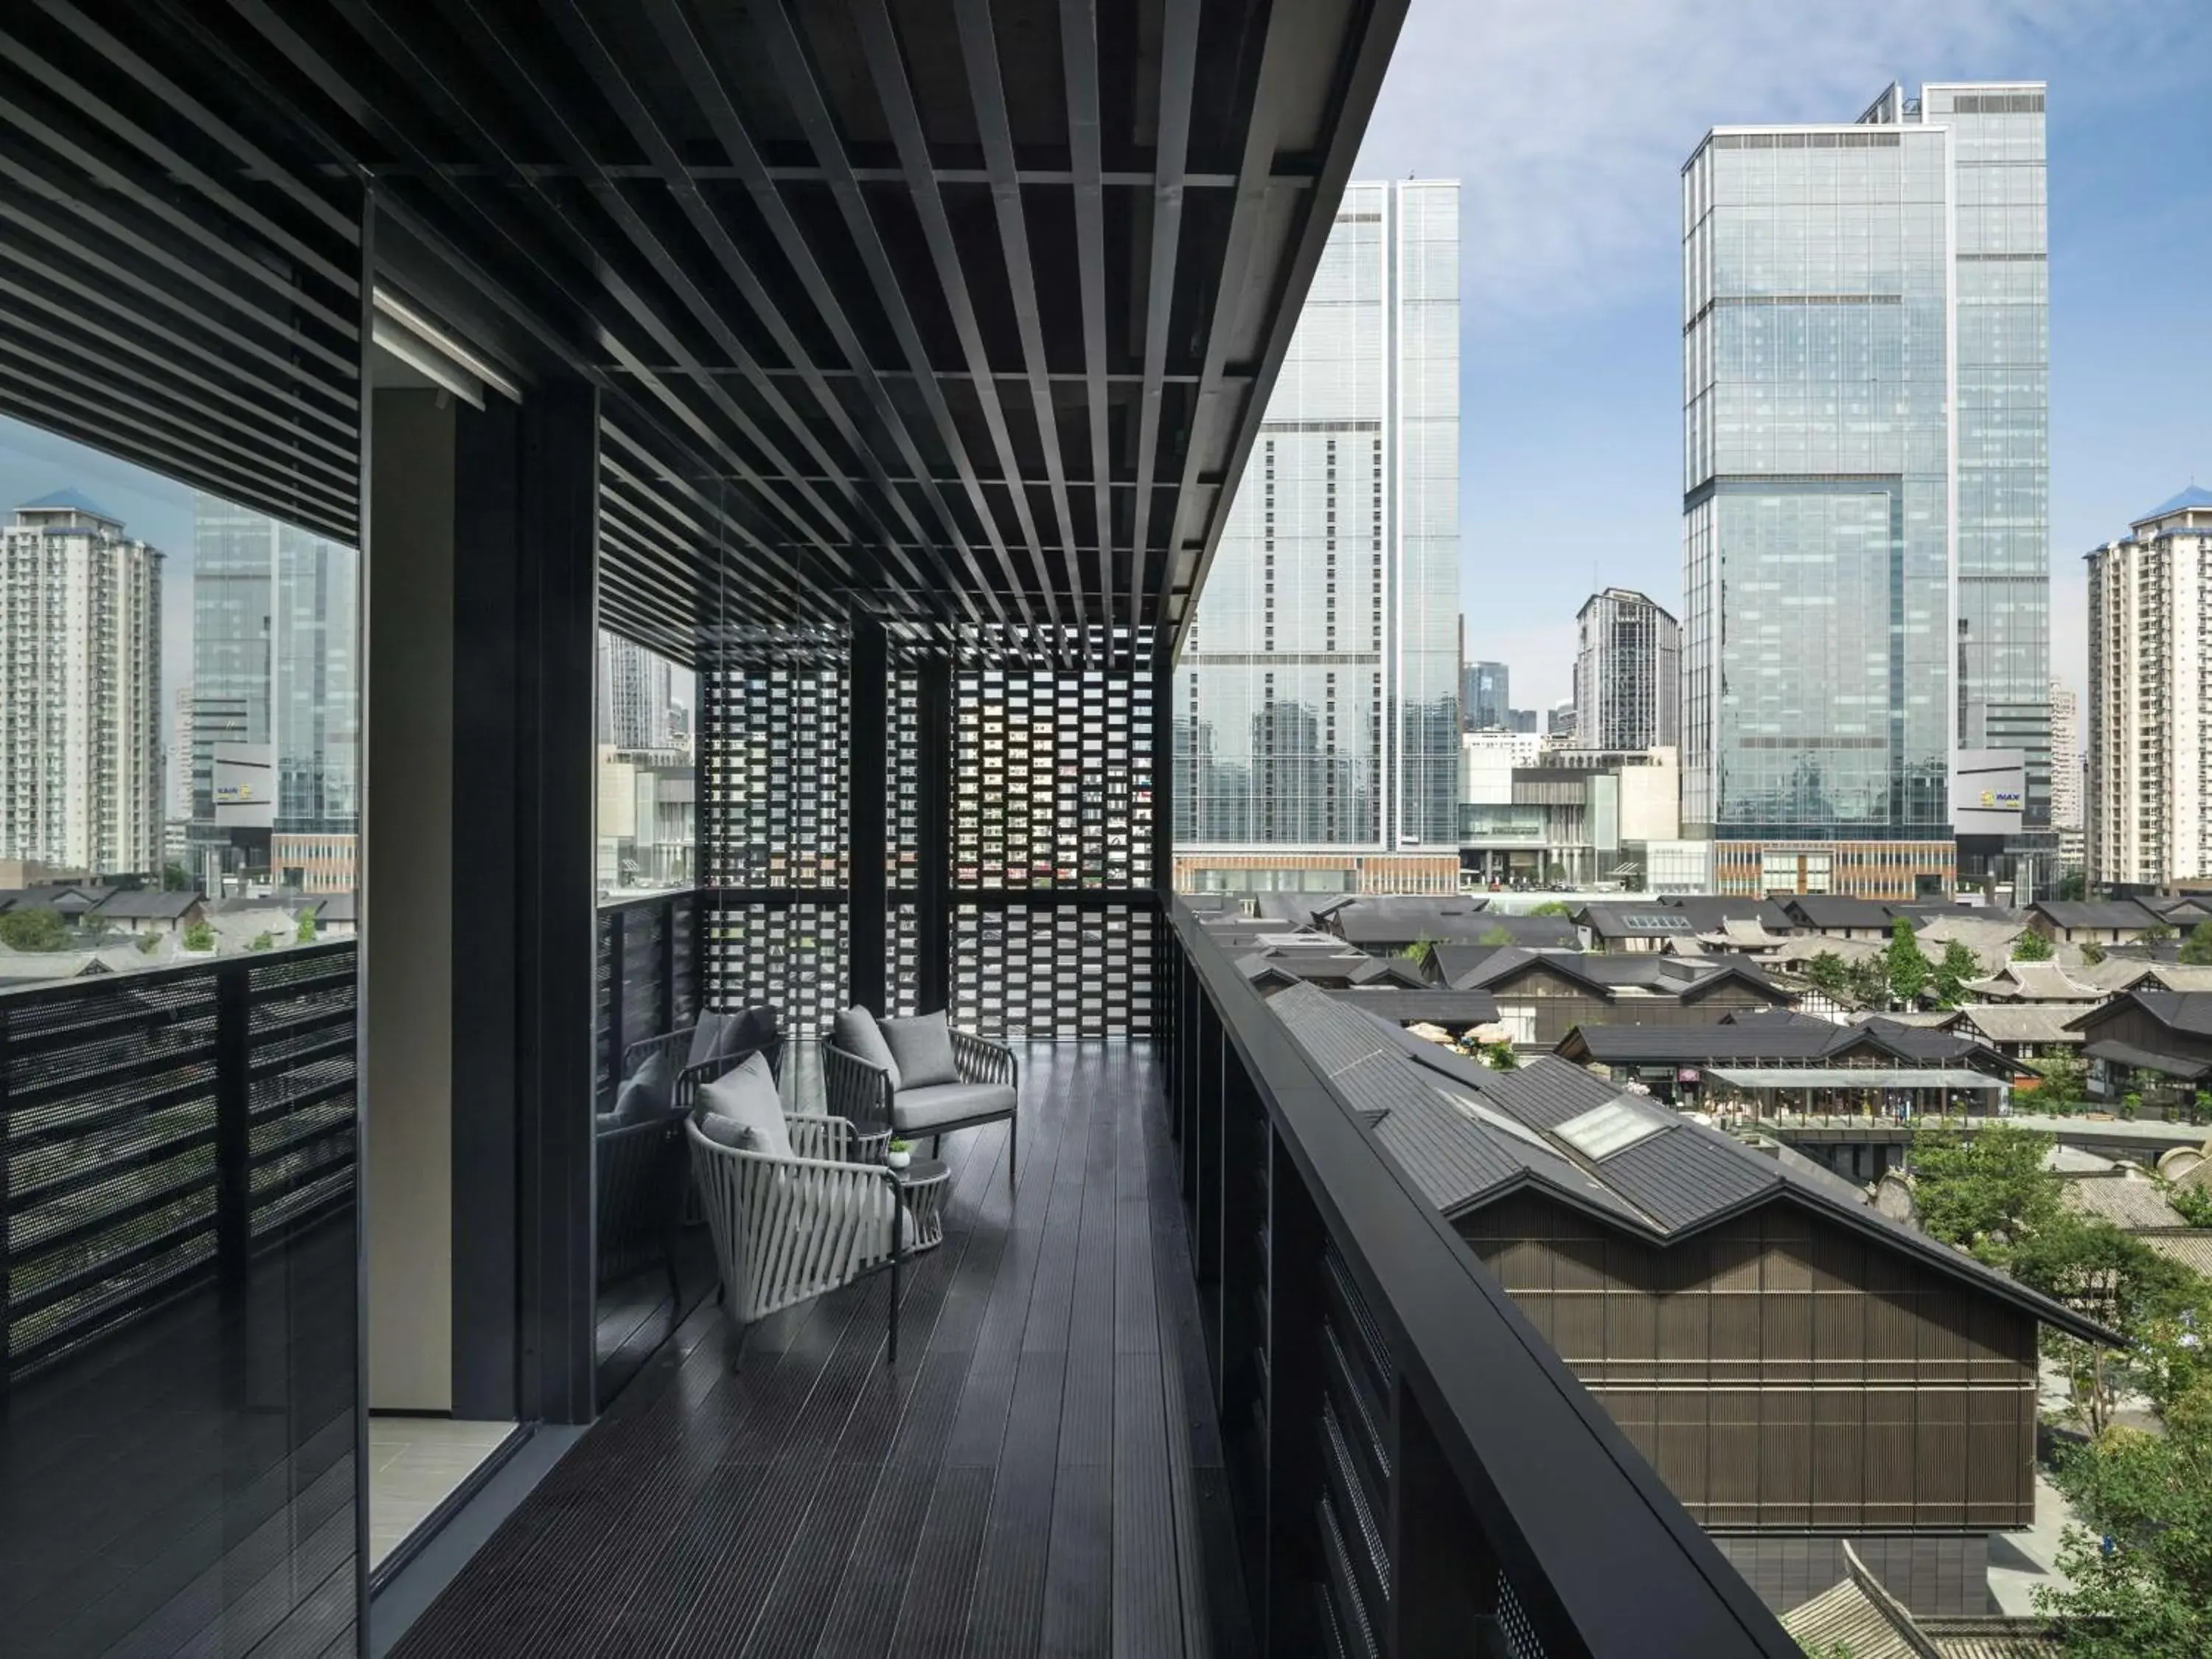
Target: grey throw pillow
[
  {"x": 706, "y": 1037},
  {"x": 746, "y": 1097},
  {"x": 646, "y": 1095},
  {"x": 855, "y": 1031},
  {"x": 749, "y": 1030},
  {"x": 922, "y": 1045},
  {"x": 726, "y": 1131}
]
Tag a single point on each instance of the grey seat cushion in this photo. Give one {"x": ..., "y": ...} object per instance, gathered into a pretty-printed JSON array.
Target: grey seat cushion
[
  {"x": 856, "y": 1032},
  {"x": 921, "y": 1111},
  {"x": 746, "y": 1095},
  {"x": 646, "y": 1095},
  {"x": 922, "y": 1045},
  {"x": 749, "y": 1030},
  {"x": 706, "y": 1037}
]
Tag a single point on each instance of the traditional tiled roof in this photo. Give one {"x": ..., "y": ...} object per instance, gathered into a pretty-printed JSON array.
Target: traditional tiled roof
[
  {"x": 2033, "y": 981},
  {"x": 1468, "y": 1135},
  {"x": 2096, "y": 912},
  {"x": 2128, "y": 1202},
  {"x": 2022, "y": 1022},
  {"x": 1862, "y": 1618},
  {"x": 2190, "y": 1246}
]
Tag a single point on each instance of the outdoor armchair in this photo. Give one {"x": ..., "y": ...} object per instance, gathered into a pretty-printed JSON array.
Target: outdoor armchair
[{"x": 918, "y": 1077}]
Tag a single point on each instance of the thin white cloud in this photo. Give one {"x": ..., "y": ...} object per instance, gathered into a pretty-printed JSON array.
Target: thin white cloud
[{"x": 1567, "y": 122}]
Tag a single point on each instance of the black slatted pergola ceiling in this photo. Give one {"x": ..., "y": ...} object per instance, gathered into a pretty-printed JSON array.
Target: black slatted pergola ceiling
[{"x": 943, "y": 310}]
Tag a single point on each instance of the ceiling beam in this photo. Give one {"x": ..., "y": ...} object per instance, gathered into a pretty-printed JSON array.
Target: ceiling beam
[{"x": 1078, "y": 47}]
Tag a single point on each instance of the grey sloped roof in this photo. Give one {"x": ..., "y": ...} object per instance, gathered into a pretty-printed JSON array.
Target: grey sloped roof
[
  {"x": 1467, "y": 1135},
  {"x": 1837, "y": 911},
  {"x": 154, "y": 906},
  {"x": 1687, "y": 1175},
  {"x": 1461, "y": 965},
  {"x": 2096, "y": 912},
  {"x": 1712, "y": 915},
  {"x": 1436, "y": 1006},
  {"x": 2188, "y": 1012},
  {"x": 2023, "y": 1021}
]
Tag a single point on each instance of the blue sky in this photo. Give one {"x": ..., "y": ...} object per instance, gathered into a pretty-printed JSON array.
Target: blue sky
[{"x": 1567, "y": 125}]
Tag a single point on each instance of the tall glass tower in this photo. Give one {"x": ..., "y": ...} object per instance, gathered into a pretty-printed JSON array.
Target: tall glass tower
[
  {"x": 1864, "y": 549},
  {"x": 1316, "y": 701}
]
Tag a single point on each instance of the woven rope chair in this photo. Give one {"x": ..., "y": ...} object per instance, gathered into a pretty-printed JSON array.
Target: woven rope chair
[
  {"x": 788, "y": 1228},
  {"x": 860, "y": 1091}
]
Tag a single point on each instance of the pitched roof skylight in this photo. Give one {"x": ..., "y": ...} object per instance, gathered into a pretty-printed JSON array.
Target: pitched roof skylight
[{"x": 1612, "y": 1128}]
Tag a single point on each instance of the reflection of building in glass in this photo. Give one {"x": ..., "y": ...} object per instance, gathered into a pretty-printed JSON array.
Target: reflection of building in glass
[
  {"x": 1484, "y": 695},
  {"x": 1628, "y": 665},
  {"x": 1317, "y": 699},
  {"x": 2150, "y": 652},
  {"x": 80, "y": 785},
  {"x": 273, "y": 662},
  {"x": 1845, "y": 286},
  {"x": 636, "y": 700}
]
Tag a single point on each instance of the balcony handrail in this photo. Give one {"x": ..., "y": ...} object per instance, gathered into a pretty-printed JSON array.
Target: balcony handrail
[
  {"x": 60, "y": 990},
  {"x": 1577, "y": 1518}
]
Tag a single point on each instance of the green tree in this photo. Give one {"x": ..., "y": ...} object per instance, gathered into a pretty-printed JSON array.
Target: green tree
[
  {"x": 306, "y": 932},
  {"x": 2116, "y": 1280},
  {"x": 1906, "y": 963},
  {"x": 148, "y": 944},
  {"x": 2197, "y": 949},
  {"x": 33, "y": 930},
  {"x": 2195, "y": 1204},
  {"x": 2091, "y": 952},
  {"x": 2073, "y": 885},
  {"x": 199, "y": 936},
  {"x": 173, "y": 878},
  {"x": 1419, "y": 950},
  {"x": 1826, "y": 970},
  {"x": 2061, "y": 1081},
  {"x": 2031, "y": 947},
  {"x": 1987, "y": 1193},
  {"x": 1958, "y": 965},
  {"x": 263, "y": 941},
  {"x": 1551, "y": 908},
  {"x": 1867, "y": 980},
  {"x": 1500, "y": 1057},
  {"x": 1495, "y": 934},
  {"x": 2140, "y": 1567}
]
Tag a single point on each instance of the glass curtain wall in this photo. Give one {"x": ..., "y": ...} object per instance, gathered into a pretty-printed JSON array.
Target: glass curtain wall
[{"x": 178, "y": 1408}]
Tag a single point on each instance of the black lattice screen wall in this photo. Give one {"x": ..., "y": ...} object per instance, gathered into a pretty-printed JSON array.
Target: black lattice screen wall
[
  {"x": 1053, "y": 792},
  {"x": 775, "y": 734},
  {"x": 1047, "y": 820}
]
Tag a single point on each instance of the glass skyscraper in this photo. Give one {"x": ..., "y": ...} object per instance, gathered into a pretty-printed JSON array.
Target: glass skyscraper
[
  {"x": 1865, "y": 576},
  {"x": 273, "y": 613},
  {"x": 1316, "y": 701}
]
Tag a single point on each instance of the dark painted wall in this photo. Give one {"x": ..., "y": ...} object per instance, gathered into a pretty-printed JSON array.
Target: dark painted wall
[{"x": 1782, "y": 1371}]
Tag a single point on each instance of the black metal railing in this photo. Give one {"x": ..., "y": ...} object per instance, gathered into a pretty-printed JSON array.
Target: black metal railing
[
  {"x": 1414, "y": 1469},
  {"x": 647, "y": 977},
  {"x": 158, "y": 1127}
]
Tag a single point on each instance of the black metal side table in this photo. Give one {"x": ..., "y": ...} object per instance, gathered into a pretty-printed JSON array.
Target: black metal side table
[{"x": 922, "y": 1188}]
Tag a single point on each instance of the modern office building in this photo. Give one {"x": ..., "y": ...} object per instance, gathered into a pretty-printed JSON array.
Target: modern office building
[
  {"x": 80, "y": 785},
  {"x": 1628, "y": 667},
  {"x": 2066, "y": 776},
  {"x": 1316, "y": 701},
  {"x": 1560, "y": 723},
  {"x": 2150, "y": 647},
  {"x": 1866, "y": 591},
  {"x": 636, "y": 700},
  {"x": 275, "y": 662},
  {"x": 1483, "y": 696},
  {"x": 178, "y": 777}
]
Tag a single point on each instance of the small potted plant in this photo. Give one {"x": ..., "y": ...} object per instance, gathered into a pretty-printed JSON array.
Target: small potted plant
[{"x": 898, "y": 1154}]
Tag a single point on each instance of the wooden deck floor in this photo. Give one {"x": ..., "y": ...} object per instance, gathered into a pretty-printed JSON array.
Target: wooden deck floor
[{"x": 1040, "y": 1473}]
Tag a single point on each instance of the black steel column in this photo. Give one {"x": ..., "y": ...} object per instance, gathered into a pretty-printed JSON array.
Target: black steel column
[
  {"x": 616, "y": 921},
  {"x": 557, "y": 617},
  {"x": 867, "y": 730},
  {"x": 933, "y": 811}
]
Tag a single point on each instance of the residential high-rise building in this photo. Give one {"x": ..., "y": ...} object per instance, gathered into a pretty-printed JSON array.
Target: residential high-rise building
[
  {"x": 1628, "y": 666},
  {"x": 274, "y": 664},
  {"x": 2150, "y": 650},
  {"x": 80, "y": 785},
  {"x": 1316, "y": 701},
  {"x": 636, "y": 699},
  {"x": 2066, "y": 774},
  {"x": 1483, "y": 698},
  {"x": 178, "y": 779},
  {"x": 1865, "y": 578}
]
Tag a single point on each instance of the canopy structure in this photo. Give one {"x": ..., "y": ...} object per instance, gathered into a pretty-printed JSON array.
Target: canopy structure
[{"x": 1851, "y": 1077}]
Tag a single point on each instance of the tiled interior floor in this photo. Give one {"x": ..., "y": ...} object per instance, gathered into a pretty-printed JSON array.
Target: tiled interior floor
[{"x": 414, "y": 1462}]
